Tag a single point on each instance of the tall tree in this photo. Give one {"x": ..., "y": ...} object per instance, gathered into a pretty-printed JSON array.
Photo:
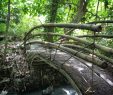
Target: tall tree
[
  {"x": 52, "y": 17},
  {"x": 81, "y": 10}
]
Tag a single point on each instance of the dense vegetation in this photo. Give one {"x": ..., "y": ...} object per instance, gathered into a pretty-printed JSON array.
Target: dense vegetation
[
  {"x": 24, "y": 14},
  {"x": 84, "y": 29}
]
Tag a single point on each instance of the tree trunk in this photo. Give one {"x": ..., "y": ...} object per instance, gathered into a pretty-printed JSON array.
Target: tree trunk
[
  {"x": 52, "y": 18},
  {"x": 95, "y": 28},
  {"x": 96, "y": 61},
  {"x": 81, "y": 10},
  {"x": 89, "y": 51},
  {"x": 103, "y": 48},
  {"x": 92, "y": 36},
  {"x": 78, "y": 74}
]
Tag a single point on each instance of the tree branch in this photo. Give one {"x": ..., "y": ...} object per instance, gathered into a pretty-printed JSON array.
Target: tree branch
[
  {"x": 83, "y": 41},
  {"x": 91, "y": 36},
  {"x": 89, "y": 51},
  {"x": 95, "y": 28},
  {"x": 96, "y": 61},
  {"x": 102, "y": 21}
]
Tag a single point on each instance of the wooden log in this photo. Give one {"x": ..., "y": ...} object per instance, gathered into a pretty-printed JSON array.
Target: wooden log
[
  {"x": 80, "y": 78},
  {"x": 95, "y": 28},
  {"x": 101, "y": 21},
  {"x": 89, "y": 51},
  {"x": 83, "y": 41},
  {"x": 96, "y": 61},
  {"x": 61, "y": 70},
  {"x": 96, "y": 36}
]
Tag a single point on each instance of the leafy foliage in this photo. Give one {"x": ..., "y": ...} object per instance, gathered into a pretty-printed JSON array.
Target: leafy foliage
[{"x": 28, "y": 13}]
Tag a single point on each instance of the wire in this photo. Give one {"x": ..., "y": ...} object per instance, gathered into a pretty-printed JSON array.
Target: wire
[{"x": 94, "y": 40}]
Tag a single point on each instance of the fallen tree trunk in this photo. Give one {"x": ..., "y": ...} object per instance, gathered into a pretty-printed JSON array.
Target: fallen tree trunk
[
  {"x": 61, "y": 70},
  {"x": 96, "y": 61},
  {"x": 92, "y": 36},
  {"x": 95, "y": 28},
  {"x": 89, "y": 51},
  {"x": 102, "y": 21},
  {"x": 83, "y": 41},
  {"x": 79, "y": 74}
]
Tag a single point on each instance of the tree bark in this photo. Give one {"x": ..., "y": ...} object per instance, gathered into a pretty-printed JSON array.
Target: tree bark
[
  {"x": 81, "y": 77},
  {"x": 92, "y": 36},
  {"x": 61, "y": 70},
  {"x": 96, "y": 61},
  {"x": 89, "y": 51},
  {"x": 52, "y": 18},
  {"x": 83, "y": 41},
  {"x": 95, "y": 28},
  {"x": 101, "y": 21},
  {"x": 81, "y": 10}
]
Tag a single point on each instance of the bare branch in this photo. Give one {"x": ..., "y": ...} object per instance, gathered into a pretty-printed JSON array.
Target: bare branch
[{"x": 102, "y": 21}]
